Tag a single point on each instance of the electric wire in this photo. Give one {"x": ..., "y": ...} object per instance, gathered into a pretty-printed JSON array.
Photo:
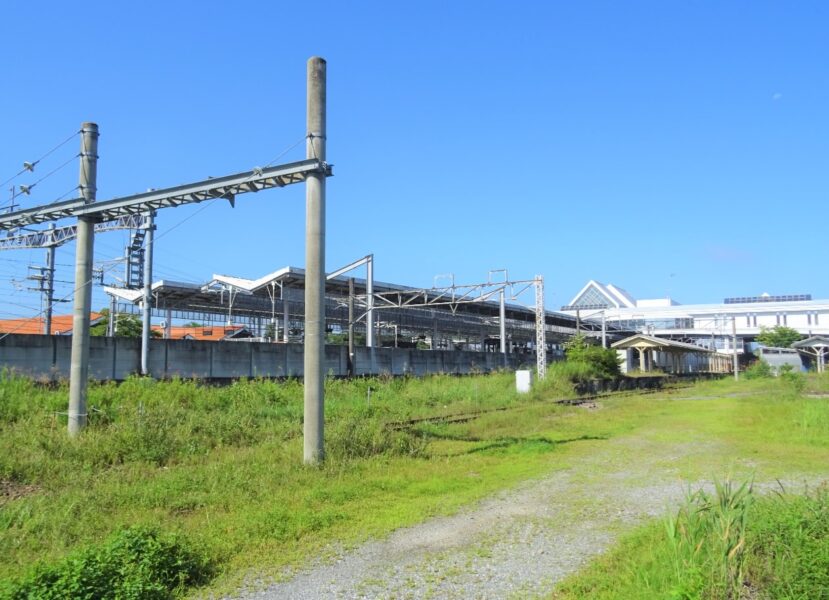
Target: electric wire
[
  {"x": 288, "y": 149},
  {"x": 61, "y": 197},
  {"x": 29, "y": 188},
  {"x": 65, "y": 298},
  {"x": 34, "y": 163},
  {"x": 156, "y": 238}
]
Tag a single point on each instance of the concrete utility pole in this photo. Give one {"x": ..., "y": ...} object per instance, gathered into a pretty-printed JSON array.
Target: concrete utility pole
[
  {"x": 502, "y": 317},
  {"x": 735, "y": 360},
  {"x": 79, "y": 367},
  {"x": 147, "y": 302},
  {"x": 50, "y": 286},
  {"x": 350, "y": 326},
  {"x": 314, "y": 451},
  {"x": 113, "y": 302},
  {"x": 604, "y": 330},
  {"x": 370, "y": 302}
]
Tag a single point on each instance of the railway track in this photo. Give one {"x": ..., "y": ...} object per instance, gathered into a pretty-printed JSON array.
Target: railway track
[{"x": 470, "y": 416}]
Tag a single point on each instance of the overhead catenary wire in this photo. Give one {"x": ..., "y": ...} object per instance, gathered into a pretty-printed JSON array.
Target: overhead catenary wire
[
  {"x": 30, "y": 166},
  {"x": 288, "y": 149},
  {"x": 51, "y": 306},
  {"x": 62, "y": 196},
  {"x": 28, "y": 188},
  {"x": 169, "y": 230}
]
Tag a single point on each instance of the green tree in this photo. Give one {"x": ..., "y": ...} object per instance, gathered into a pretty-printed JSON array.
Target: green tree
[
  {"x": 604, "y": 362},
  {"x": 778, "y": 336},
  {"x": 126, "y": 325}
]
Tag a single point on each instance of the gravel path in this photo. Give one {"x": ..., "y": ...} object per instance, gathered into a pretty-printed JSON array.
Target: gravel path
[{"x": 517, "y": 543}]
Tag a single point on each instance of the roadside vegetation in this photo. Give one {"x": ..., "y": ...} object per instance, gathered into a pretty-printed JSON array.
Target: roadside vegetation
[
  {"x": 732, "y": 543},
  {"x": 211, "y": 477}
]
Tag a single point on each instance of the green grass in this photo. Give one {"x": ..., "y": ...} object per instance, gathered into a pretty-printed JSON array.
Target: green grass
[
  {"x": 730, "y": 544},
  {"x": 723, "y": 544},
  {"x": 221, "y": 466}
]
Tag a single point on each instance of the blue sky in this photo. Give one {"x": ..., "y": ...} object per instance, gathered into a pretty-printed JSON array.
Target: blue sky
[{"x": 671, "y": 148}]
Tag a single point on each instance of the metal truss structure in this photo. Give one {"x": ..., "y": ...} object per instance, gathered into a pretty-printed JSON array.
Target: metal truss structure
[
  {"x": 454, "y": 296},
  {"x": 57, "y": 236},
  {"x": 540, "y": 339},
  {"x": 226, "y": 188},
  {"x": 447, "y": 317}
]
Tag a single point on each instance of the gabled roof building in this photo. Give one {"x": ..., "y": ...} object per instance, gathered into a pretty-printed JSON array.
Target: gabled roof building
[{"x": 707, "y": 325}]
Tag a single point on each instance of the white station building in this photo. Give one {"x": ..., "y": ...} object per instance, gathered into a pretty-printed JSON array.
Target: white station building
[{"x": 709, "y": 326}]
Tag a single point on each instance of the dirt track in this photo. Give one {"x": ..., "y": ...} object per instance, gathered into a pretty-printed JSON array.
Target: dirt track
[{"x": 517, "y": 543}]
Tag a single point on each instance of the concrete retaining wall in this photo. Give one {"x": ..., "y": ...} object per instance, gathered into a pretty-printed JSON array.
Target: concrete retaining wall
[
  {"x": 117, "y": 358},
  {"x": 603, "y": 386}
]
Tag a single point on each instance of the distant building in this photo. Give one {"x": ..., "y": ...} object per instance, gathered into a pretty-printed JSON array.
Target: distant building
[
  {"x": 61, "y": 324},
  {"x": 705, "y": 325},
  {"x": 210, "y": 333}
]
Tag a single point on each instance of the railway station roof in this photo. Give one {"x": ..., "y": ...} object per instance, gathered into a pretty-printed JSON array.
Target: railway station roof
[{"x": 648, "y": 341}]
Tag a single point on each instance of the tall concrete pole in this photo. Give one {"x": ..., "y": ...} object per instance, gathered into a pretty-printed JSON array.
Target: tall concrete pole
[
  {"x": 350, "y": 326},
  {"x": 314, "y": 450},
  {"x": 604, "y": 330},
  {"x": 370, "y": 302},
  {"x": 735, "y": 360},
  {"x": 286, "y": 317},
  {"x": 147, "y": 301},
  {"x": 84, "y": 252},
  {"x": 502, "y": 317},
  {"x": 112, "y": 316},
  {"x": 50, "y": 286}
]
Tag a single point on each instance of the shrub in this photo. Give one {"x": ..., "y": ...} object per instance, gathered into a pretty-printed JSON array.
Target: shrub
[
  {"x": 601, "y": 362},
  {"x": 792, "y": 377},
  {"x": 759, "y": 369},
  {"x": 133, "y": 564}
]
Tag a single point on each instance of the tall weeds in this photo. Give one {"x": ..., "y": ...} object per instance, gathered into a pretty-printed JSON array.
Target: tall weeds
[{"x": 707, "y": 539}]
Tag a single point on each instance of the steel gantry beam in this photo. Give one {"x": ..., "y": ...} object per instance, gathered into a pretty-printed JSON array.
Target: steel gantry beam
[
  {"x": 455, "y": 295},
  {"x": 452, "y": 295},
  {"x": 57, "y": 236},
  {"x": 368, "y": 261},
  {"x": 227, "y": 188}
]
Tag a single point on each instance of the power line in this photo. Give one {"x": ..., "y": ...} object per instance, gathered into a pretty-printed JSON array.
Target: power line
[
  {"x": 288, "y": 149},
  {"x": 26, "y": 189},
  {"x": 30, "y": 166},
  {"x": 61, "y": 197},
  {"x": 52, "y": 305}
]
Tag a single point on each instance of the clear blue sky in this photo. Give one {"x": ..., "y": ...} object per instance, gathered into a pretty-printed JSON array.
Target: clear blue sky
[{"x": 668, "y": 147}]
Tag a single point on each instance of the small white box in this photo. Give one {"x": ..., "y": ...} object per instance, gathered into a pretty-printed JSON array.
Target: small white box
[{"x": 523, "y": 381}]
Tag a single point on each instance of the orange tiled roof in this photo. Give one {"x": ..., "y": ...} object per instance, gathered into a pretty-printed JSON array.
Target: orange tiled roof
[
  {"x": 61, "y": 324},
  {"x": 213, "y": 333}
]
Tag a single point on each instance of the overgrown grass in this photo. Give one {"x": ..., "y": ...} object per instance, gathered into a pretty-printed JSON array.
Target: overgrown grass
[
  {"x": 726, "y": 545},
  {"x": 221, "y": 466},
  {"x": 133, "y": 564}
]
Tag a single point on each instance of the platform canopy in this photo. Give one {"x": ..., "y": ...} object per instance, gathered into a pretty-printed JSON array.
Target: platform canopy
[
  {"x": 815, "y": 341},
  {"x": 649, "y": 342},
  {"x": 816, "y": 347}
]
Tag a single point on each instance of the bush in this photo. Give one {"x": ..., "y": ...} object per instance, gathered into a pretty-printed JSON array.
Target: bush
[
  {"x": 792, "y": 377},
  {"x": 135, "y": 563},
  {"x": 759, "y": 369},
  {"x": 600, "y": 362}
]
